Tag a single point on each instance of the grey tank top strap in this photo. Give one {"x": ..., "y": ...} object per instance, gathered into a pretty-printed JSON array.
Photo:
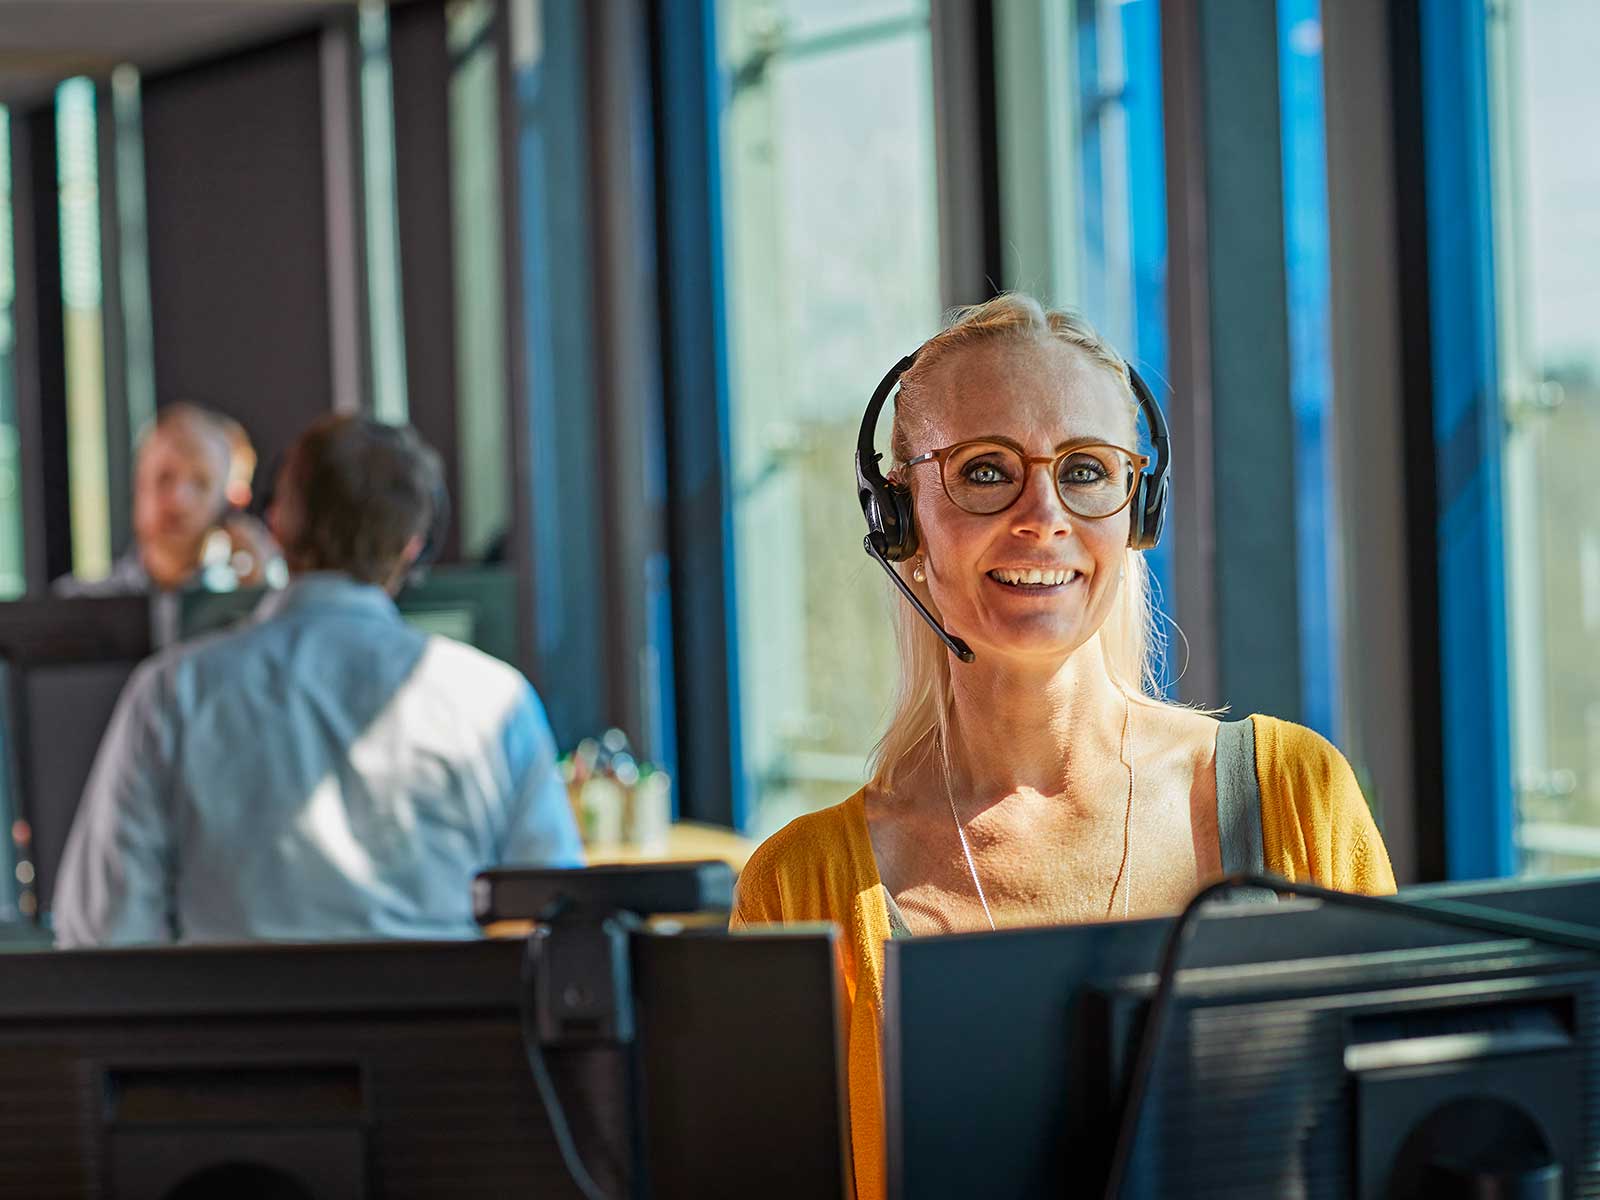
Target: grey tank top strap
[{"x": 1239, "y": 807}]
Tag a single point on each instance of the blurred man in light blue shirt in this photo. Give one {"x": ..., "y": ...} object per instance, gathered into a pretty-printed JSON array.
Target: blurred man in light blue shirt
[{"x": 325, "y": 770}]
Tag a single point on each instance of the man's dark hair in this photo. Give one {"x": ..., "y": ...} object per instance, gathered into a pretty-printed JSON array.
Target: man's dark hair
[{"x": 365, "y": 490}]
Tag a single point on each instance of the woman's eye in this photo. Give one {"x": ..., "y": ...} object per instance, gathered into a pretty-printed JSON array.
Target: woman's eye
[
  {"x": 984, "y": 473},
  {"x": 1083, "y": 472}
]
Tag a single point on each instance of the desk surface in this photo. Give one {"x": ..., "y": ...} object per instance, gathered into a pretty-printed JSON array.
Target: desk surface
[{"x": 686, "y": 841}]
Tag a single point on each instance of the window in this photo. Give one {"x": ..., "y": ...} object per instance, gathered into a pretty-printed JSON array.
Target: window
[
  {"x": 1083, "y": 178},
  {"x": 1122, "y": 173},
  {"x": 484, "y": 499},
  {"x": 133, "y": 245},
  {"x": 380, "y": 218},
  {"x": 12, "y": 580},
  {"x": 77, "y": 175},
  {"x": 1544, "y": 105},
  {"x": 832, "y": 272}
]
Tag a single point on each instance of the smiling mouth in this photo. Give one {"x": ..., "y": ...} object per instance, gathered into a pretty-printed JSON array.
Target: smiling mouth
[{"x": 1034, "y": 578}]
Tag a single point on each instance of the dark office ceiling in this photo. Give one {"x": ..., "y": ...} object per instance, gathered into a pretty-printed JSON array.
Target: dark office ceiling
[{"x": 45, "y": 41}]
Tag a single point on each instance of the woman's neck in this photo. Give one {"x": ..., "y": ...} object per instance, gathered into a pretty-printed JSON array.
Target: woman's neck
[{"x": 1052, "y": 730}]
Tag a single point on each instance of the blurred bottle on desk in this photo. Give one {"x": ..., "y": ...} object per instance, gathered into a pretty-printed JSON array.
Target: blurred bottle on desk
[{"x": 617, "y": 801}]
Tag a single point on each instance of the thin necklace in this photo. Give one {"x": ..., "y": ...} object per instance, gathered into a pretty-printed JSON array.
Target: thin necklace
[{"x": 1124, "y": 878}]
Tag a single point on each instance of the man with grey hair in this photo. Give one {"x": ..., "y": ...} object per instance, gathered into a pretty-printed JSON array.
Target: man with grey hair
[{"x": 190, "y": 485}]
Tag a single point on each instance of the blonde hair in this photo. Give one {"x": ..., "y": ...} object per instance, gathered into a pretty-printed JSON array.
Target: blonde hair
[{"x": 1130, "y": 638}]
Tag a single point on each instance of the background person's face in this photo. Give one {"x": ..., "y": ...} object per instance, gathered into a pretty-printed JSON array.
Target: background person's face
[
  {"x": 1041, "y": 395},
  {"x": 178, "y": 491}
]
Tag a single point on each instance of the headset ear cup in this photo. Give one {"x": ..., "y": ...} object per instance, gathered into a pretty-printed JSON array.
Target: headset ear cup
[
  {"x": 1136, "y": 515},
  {"x": 1149, "y": 514},
  {"x": 899, "y": 503},
  {"x": 1149, "y": 506},
  {"x": 1156, "y": 522}
]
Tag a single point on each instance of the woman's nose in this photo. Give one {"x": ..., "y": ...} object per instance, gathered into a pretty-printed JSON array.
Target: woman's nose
[{"x": 1039, "y": 510}]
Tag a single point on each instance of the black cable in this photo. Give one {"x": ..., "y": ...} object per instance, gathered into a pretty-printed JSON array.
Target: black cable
[
  {"x": 1439, "y": 912},
  {"x": 547, "y": 1088}
]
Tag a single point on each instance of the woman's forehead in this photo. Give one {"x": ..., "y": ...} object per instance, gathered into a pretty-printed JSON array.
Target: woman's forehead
[{"x": 1047, "y": 392}]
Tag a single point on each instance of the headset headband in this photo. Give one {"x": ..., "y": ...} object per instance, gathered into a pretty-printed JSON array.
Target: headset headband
[{"x": 1160, "y": 439}]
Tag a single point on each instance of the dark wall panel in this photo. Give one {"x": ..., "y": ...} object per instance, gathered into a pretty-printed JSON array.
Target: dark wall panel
[
  {"x": 420, "y": 60},
  {"x": 1253, "y": 422},
  {"x": 238, "y": 276},
  {"x": 40, "y": 350}
]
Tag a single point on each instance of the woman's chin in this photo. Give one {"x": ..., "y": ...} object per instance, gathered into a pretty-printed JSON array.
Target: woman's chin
[{"x": 1039, "y": 641}]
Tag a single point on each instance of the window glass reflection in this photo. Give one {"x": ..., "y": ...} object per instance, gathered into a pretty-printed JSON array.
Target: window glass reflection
[
  {"x": 12, "y": 582},
  {"x": 78, "y": 181},
  {"x": 831, "y": 230},
  {"x": 1545, "y": 105}
]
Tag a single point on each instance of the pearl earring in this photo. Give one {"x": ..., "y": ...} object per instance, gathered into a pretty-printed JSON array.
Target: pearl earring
[{"x": 918, "y": 573}]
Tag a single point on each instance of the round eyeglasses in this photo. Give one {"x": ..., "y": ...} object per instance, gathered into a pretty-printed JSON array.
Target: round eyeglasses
[{"x": 986, "y": 477}]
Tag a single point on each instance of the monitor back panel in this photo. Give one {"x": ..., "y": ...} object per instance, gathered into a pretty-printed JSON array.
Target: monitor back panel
[
  {"x": 383, "y": 1069},
  {"x": 742, "y": 1065},
  {"x": 994, "y": 1081}
]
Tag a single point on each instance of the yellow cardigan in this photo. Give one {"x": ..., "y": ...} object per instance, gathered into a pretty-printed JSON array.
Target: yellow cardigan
[{"x": 1315, "y": 826}]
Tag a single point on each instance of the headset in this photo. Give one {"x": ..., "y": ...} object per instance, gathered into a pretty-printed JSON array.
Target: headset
[{"x": 891, "y": 525}]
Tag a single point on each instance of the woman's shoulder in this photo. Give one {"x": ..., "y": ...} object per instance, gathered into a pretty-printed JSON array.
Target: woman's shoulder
[
  {"x": 1286, "y": 754},
  {"x": 1316, "y": 823},
  {"x": 799, "y": 872},
  {"x": 813, "y": 837},
  {"x": 1300, "y": 757}
]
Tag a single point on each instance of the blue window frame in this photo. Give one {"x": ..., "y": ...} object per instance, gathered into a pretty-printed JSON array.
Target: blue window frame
[
  {"x": 1125, "y": 288},
  {"x": 694, "y": 359},
  {"x": 1305, "y": 210},
  {"x": 1467, "y": 437},
  {"x": 561, "y": 515},
  {"x": 1147, "y": 215}
]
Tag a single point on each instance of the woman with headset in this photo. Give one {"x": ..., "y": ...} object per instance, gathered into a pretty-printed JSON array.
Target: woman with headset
[{"x": 1030, "y": 772}]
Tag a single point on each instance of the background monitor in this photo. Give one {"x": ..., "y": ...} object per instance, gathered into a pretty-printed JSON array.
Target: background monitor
[
  {"x": 1304, "y": 1035},
  {"x": 476, "y": 605},
  {"x": 63, "y": 663},
  {"x": 395, "y": 1069}
]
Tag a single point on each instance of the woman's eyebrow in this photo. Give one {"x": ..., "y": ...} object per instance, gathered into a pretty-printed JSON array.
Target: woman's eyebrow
[
  {"x": 1001, "y": 439},
  {"x": 1083, "y": 441}
]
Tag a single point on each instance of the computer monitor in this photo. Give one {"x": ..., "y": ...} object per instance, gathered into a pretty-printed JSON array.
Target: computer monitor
[
  {"x": 476, "y": 605},
  {"x": 201, "y": 612},
  {"x": 720, "y": 1081},
  {"x": 399, "y": 1069},
  {"x": 1309, "y": 1048},
  {"x": 743, "y": 1064},
  {"x": 63, "y": 664}
]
